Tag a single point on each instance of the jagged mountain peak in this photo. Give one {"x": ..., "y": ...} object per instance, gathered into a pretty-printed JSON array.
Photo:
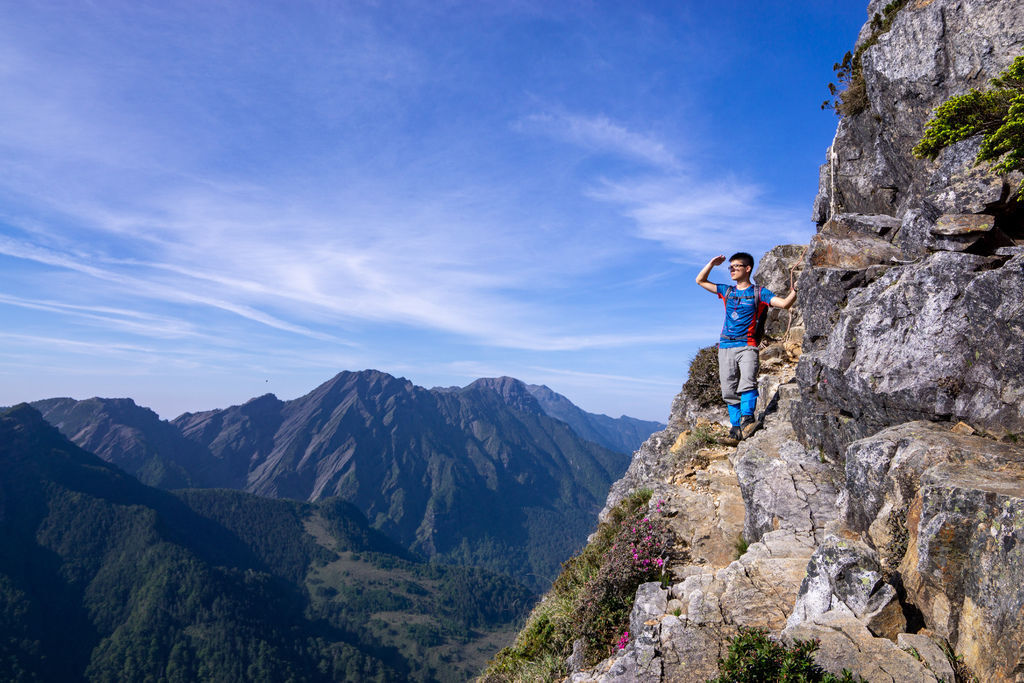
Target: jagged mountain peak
[{"x": 514, "y": 392}]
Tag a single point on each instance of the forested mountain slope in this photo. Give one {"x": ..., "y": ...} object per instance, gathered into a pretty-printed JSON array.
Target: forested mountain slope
[{"x": 104, "y": 578}]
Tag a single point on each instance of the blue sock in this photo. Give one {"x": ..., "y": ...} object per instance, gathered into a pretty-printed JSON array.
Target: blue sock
[
  {"x": 734, "y": 414},
  {"x": 748, "y": 402}
]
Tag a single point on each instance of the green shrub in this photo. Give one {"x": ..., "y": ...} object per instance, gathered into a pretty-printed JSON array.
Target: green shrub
[
  {"x": 850, "y": 93},
  {"x": 700, "y": 437},
  {"x": 702, "y": 385},
  {"x": 997, "y": 114},
  {"x": 753, "y": 657}
]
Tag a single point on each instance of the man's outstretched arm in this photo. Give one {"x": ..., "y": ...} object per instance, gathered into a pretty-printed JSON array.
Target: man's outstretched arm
[
  {"x": 786, "y": 301},
  {"x": 702, "y": 276}
]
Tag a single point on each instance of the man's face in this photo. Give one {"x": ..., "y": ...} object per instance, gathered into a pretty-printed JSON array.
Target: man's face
[{"x": 738, "y": 270}]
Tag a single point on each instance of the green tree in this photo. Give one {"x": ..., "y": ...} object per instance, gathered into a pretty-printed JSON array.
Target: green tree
[{"x": 997, "y": 114}]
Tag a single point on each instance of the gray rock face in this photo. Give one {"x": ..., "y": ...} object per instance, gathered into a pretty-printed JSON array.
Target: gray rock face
[
  {"x": 970, "y": 564},
  {"x": 932, "y": 51},
  {"x": 639, "y": 661},
  {"x": 843, "y": 576},
  {"x": 845, "y": 643},
  {"x": 847, "y": 254},
  {"x": 784, "y": 485},
  {"x": 929, "y": 653},
  {"x": 926, "y": 341},
  {"x": 773, "y": 272},
  {"x": 946, "y": 512}
]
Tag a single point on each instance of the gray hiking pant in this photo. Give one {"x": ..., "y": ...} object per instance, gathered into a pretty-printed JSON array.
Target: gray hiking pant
[{"x": 737, "y": 371}]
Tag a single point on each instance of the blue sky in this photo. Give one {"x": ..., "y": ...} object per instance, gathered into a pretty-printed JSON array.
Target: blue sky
[{"x": 201, "y": 202}]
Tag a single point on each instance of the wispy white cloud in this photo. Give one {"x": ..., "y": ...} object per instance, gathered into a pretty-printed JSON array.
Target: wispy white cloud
[
  {"x": 600, "y": 134},
  {"x": 697, "y": 217},
  {"x": 142, "y": 287},
  {"x": 109, "y": 318},
  {"x": 604, "y": 378}
]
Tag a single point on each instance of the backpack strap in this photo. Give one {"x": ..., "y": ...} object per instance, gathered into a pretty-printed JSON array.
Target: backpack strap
[{"x": 760, "y": 314}]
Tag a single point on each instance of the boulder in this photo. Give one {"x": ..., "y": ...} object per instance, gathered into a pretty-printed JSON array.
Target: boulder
[
  {"x": 850, "y": 251},
  {"x": 784, "y": 485},
  {"x": 756, "y": 590},
  {"x": 963, "y": 224},
  {"x": 843, "y": 576},
  {"x": 690, "y": 652},
  {"x": 823, "y": 292},
  {"x": 845, "y": 643},
  {"x": 774, "y": 272},
  {"x": 929, "y": 652},
  {"x": 704, "y": 510},
  {"x": 945, "y": 511},
  {"x": 639, "y": 661},
  {"x": 923, "y": 341},
  {"x": 968, "y": 578}
]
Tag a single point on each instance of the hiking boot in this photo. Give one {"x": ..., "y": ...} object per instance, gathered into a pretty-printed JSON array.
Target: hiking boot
[
  {"x": 748, "y": 425},
  {"x": 736, "y": 433}
]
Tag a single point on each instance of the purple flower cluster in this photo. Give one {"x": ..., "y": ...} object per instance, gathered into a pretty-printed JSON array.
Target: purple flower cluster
[
  {"x": 635, "y": 555},
  {"x": 647, "y": 542}
]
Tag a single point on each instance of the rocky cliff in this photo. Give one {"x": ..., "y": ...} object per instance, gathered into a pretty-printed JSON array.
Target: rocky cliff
[{"x": 880, "y": 509}]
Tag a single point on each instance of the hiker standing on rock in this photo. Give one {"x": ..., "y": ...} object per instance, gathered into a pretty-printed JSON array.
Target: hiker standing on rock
[{"x": 746, "y": 308}]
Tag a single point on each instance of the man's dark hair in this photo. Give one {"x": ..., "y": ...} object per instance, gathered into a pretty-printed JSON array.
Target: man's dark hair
[{"x": 743, "y": 256}]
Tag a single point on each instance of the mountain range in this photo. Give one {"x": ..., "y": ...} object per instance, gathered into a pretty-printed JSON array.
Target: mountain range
[
  {"x": 497, "y": 474},
  {"x": 105, "y": 578}
]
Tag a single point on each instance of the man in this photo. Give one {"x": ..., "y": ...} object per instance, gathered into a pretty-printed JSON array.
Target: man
[{"x": 737, "y": 347}]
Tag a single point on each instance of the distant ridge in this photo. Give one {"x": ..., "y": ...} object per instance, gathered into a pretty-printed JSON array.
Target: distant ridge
[
  {"x": 479, "y": 475},
  {"x": 623, "y": 434}
]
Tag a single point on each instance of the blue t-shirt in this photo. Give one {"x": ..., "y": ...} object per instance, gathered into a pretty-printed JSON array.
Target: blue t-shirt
[{"x": 738, "y": 329}]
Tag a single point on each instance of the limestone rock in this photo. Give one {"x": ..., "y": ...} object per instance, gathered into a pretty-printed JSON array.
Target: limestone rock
[
  {"x": 850, "y": 251},
  {"x": 969, "y": 576},
  {"x": 843, "y": 576},
  {"x": 963, "y": 224},
  {"x": 756, "y": 590},
  {"x": 650, "y": 604},
  {"x": 639, "y": 661},
  {"x": 646, "y": 469},
  {"x": 925, "y": 341},
  {"x": 872, "y": 225},
  {"x": 946, "y": 513},
  {"x": 691, "y": 652},
  {"x": 576, "y": 661},
  {"x": 823, "y": 294},
  {"x": 784, "y": 485},
  {"x": 705, "y": 513},
  {"x": 959, "y": 186},
  {"x": 933, "y": 50},
  {"x": 773, "y": 272},
  {"x": 928, "y": 652},
  {"x": 845, "y": 643}
]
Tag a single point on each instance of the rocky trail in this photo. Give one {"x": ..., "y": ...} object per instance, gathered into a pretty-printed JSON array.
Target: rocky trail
[{"x": 804, "y": 575}]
